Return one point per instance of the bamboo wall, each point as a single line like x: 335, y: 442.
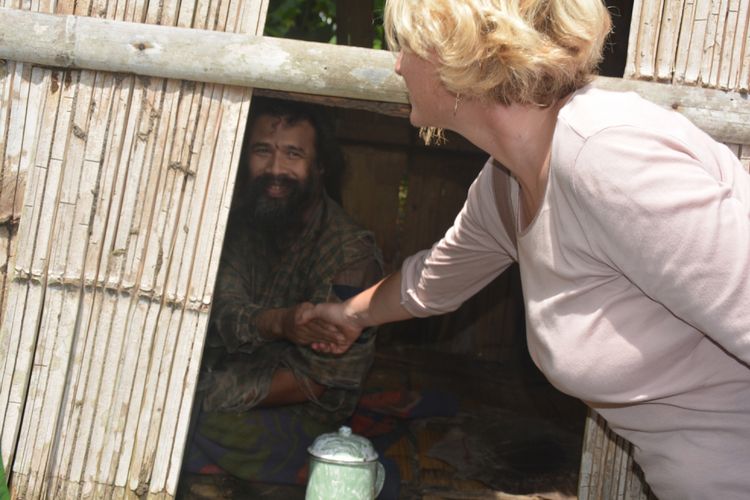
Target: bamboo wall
x: 703, y: 43
x: 114, y: 195
x: 696, y: 43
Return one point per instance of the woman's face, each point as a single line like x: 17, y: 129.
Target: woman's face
x: 431, y: 104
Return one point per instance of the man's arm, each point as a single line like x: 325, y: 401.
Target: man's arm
x: 239, y: 320
x: 286, y: 390
x: 379, y: 304
x: 286, y: 323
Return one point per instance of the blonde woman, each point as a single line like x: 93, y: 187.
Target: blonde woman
x: 629, y: 224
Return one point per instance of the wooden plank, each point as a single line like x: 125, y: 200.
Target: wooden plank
x: 647, y: 41
x: 148, y: 256
x: 126, y: 164
x: 167, y: 331
x: 74, y: 205
x: 669, y: 31
x: 69, y: 270
x: 165, y: 473
x: 36, y: 256
x: 295, y: 66
x: 88, y: 414
x: 683, y: 54
x: 17, y: 150
x: 712, y: 44
x: 133, y: 185
x: 227, y: 150
x: 122, y: 108
x: 234, y: 59
x: 379, y: 176
x: 189, y: 382
x: 189, y: 208
x: 144, y: 337
x: 731, y: 50
x: 607, y: 470
x: 697, y: 41
x: 60, y: 310
x: 744, y: 61
x: 95, y: 203
x: 111, y: 394
x: 19, y: 86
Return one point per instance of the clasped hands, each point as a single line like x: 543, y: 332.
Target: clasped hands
x: 323, y: 327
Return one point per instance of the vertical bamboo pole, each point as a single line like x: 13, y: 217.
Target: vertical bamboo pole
x: 129, y: 186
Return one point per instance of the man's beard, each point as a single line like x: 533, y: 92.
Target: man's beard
x: 280, y: 214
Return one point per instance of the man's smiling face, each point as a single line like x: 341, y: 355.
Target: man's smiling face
x: 282, y: 168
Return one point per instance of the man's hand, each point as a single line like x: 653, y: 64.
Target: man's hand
x: 333, y: 315
x: 290, y: 323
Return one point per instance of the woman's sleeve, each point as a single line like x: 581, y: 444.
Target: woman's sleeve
x: 673, y: 219
x: 472, y: 253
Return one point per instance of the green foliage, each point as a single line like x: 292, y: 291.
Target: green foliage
x: 378, y: 41
x: 313, y: 20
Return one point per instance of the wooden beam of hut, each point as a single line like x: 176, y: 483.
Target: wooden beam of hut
x: 347, y: 76
x: 200, y: 55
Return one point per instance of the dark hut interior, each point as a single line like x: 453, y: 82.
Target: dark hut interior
x: 453, y: 404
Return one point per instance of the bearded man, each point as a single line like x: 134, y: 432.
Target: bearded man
x: 264, y: 395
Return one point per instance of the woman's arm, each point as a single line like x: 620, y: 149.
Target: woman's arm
x: 470, y: 255
x: 379, y: 304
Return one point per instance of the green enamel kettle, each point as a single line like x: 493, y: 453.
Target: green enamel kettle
x: 343, y: 466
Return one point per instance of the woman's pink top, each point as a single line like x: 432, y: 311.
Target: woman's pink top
x: 636, y: 280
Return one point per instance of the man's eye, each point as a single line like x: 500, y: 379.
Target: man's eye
x: 260, y: 150
x: 294, y: 154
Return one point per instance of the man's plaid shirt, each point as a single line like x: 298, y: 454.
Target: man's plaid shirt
x: 331, y: 254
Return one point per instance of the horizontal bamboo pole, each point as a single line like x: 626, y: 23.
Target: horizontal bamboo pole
x: 200, y: 55
x: 297, y: 67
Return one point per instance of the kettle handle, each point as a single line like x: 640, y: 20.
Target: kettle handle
x: 379, y: 478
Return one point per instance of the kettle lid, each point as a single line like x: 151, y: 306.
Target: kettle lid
x: 343, y: 446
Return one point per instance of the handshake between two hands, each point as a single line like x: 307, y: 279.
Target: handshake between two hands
x: 323, y: 327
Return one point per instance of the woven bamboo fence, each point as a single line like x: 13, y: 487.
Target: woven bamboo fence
x: 691, y: 45
x: 114, y: 195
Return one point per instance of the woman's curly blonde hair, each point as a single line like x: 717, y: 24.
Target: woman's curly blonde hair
x: 508, y: 51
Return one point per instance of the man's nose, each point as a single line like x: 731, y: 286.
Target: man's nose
x: 276, y: 164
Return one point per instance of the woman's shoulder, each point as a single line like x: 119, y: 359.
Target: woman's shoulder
x: 591, y: 110
x: 598, y: 129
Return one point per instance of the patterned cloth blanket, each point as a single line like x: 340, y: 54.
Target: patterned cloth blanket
x: 382, y: 416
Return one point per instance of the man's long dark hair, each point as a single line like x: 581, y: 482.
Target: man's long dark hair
x: 328, y: 155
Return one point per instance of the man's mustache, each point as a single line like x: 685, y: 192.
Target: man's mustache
x: 266, y: 180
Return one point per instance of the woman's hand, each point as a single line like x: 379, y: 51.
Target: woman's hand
x: 290, y: 323
x: 333, y: 315
x: 299, y: 328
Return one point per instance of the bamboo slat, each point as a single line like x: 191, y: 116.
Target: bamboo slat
x: 669, y: 30
x: 607, y: 468
x: 121, y: 225
x: 691, y: 42
x: 644, y: 35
